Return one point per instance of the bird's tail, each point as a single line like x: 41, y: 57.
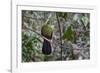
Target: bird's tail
x: 46, y: 49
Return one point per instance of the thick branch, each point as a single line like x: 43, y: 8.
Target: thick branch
x: 60, y: 32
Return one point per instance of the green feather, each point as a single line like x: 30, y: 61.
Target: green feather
x: 47, y: 31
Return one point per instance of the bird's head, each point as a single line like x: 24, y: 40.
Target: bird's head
x: 47, y: 31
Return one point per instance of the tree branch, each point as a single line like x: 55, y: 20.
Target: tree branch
x: 60, y: 32
x: 26, y: 27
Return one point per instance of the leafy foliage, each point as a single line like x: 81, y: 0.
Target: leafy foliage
x: 62, y: 14
x: 29, y: 47
x: 70, y: 36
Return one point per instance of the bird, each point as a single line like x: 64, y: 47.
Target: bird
x: 47, y: 32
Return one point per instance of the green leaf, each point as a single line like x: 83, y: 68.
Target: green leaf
x: 62, y: 14
x: 68, y: 34
x: 85, y: 20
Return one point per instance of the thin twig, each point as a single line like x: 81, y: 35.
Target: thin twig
x: 36, y: 33
x: 33, y: 18
x: 48, y: 19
